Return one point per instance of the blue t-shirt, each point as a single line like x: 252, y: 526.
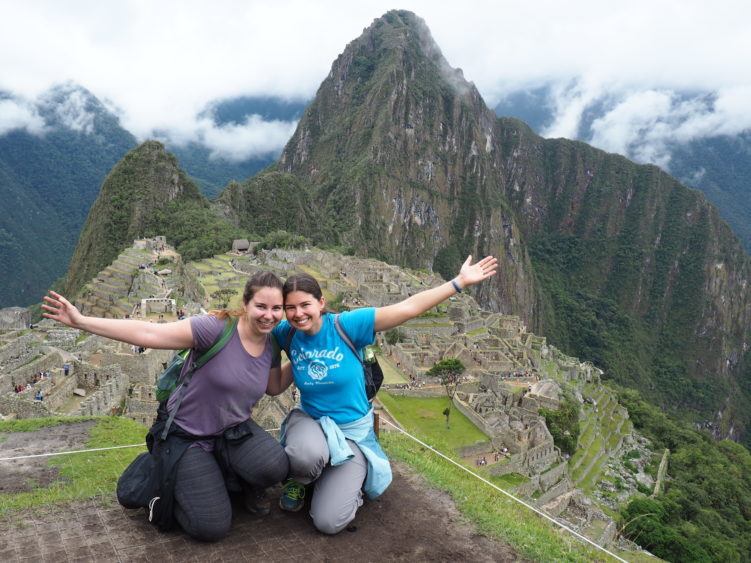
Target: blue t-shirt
x: 327, y: 373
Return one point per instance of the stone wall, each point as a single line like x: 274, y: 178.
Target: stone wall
x: 23, y: 408
x: 550, y: 478
x: 60, y: 392
x: 51, y: 362
x: 14, y: 318
x: 561, y: 488
x: 139, y: 368
x: 62, y: 337
x: 18, y: 352
x: 475, y: 418
x: 107, y: 397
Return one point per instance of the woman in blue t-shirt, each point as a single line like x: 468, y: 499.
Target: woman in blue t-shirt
x: 330, y: 440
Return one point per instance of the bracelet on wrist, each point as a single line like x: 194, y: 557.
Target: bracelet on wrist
x: 457, y: 287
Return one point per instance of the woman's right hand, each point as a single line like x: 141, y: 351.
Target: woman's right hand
x: 61, y: 310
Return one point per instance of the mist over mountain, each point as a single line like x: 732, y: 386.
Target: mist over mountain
x: 51, y: 167
x: 671, y: 129
x: 212, y: 171
x: 55, y: 152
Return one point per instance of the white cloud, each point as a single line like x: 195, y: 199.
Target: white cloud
x: 644, y: 124
x: 69, y: 105
x: 163, y: 62
x: 569, y: 100
x: 237, y: 142
x: 17, y: 114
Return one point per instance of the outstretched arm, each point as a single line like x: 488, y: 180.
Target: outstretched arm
x: 167, y: 336
x: 470, y: 274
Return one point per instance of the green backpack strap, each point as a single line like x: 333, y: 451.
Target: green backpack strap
x: 229, y: 328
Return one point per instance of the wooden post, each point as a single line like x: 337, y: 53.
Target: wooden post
x: 377, y: 424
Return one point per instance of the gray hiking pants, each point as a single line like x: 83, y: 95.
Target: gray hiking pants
x: 337, y: 493
x: 202, y: 503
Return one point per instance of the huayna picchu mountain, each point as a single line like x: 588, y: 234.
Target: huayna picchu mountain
x: 619, y: 263
x: 146, y: 194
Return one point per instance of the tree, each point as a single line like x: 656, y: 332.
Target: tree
x: 449, y: 371
x: 223, y: 296
x: 394, y: 336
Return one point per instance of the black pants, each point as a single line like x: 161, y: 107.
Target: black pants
x: 202, y: 504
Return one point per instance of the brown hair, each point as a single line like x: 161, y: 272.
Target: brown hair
x: 302, y: 282
x: 257, y: 281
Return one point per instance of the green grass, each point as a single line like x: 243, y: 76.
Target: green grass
x: 390, y: 373
x: 478, y: 331
x: 83, y: 475
x: 492, y: 512
x: 423, y: 417
x: 509, y: 480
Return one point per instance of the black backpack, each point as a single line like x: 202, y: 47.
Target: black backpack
x: 371, y: 369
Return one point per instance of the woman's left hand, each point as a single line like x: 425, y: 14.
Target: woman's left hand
x: 471, y: 274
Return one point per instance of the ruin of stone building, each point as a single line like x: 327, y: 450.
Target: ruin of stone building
x: 240, y: 245
x: 14, y: 318
x: 158, y: 306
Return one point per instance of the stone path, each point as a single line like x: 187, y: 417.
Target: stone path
x: 410, y: 522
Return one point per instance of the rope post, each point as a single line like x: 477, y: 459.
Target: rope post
x: 377, y: 424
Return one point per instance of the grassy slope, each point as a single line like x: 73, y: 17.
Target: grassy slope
x: 493, y: 513
x: 83, y: 475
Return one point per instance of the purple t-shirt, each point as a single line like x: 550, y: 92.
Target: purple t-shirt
x: 222, y: 392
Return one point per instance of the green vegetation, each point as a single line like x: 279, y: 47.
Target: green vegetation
x: 50, y: 182
x: 422, y: 418
x: 83, y: 475
x: 391, y: 374
x: 563, y: 424
x: 449, y: 372
x: 394, y: 336
x: 145, y: 195
x: 494, y: 513
x: 282, y: 239
x: 705, y: 511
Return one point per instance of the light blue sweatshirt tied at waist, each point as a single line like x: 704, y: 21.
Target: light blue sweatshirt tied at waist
x: 361, y: 432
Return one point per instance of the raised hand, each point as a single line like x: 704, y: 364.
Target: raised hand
x: 59, y: 309
x: 471, y: 274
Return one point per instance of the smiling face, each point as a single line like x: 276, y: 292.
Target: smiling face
x: 264, y: 310
x: 304, y: 311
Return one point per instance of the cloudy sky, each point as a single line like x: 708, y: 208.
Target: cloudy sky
x: 159, y: 63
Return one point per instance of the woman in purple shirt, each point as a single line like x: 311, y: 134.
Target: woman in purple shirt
x: 219, y: 398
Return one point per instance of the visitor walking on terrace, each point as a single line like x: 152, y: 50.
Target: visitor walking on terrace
x: 329, y: 439
x: 212, y: 435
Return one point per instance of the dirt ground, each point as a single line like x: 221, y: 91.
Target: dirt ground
x: 27, y: 474
x: 410, y: 522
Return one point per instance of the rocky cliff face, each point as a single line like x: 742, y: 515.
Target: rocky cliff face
x: 402, y: 155
x: 657, y: 251
x: 615, y: 262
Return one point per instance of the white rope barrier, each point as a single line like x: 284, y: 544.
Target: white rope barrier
x: 50, y: 454
x: 496, y: 487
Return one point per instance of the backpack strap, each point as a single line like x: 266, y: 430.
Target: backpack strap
x: 219, y: 343
x: 346, y: 339
x: 288, y: 342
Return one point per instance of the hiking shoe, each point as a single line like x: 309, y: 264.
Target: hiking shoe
x: 293, y: 496
x: 256, y: 502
